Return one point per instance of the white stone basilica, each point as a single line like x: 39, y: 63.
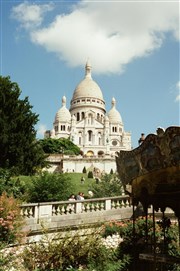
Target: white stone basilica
x: 87, y: 124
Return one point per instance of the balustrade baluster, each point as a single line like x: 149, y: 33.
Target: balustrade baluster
x: 117, y: 204
x: 122, y: 203
x: 127, y: 202
x: 112, y: 204
x: 93, y: 206
x: 59, y: 210
x: 102, y: 205
x: 88, y: 207
x: 54, y: 210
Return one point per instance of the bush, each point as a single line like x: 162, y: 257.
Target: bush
x: 132, y: 245
x: 11, y: 221
x: 109, y: 186
x: 90, y: 175
x: 72, y: 252
x: 84, y: 170
x: 50, y: 187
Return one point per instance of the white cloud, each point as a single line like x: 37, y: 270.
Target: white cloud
x: 111, y: 34
x: 178, y: 85
x: 30, y: 15
x: 178, y: 88
x: 41, y: 130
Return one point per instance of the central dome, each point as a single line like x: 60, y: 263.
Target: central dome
x: 88, y: 87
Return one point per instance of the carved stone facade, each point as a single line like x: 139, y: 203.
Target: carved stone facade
x: 86, y: 122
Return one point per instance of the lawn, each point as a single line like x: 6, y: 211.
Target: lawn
x: 75, y: 179
x: 79, y: 187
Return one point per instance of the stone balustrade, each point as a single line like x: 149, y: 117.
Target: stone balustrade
x: 56, y: 215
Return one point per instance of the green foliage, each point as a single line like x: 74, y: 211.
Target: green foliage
x: 7, y: 260
x: 19, y: 150
x: 61, y: 145
x: 50, y: 187
x: 111, y: 171
x: 135, y: 243
x: 109, y: 186
x: 84, y: 170
x: 12, y: 186
x: 90, y: 175
x: 10, y: 220
x: 73, y: 252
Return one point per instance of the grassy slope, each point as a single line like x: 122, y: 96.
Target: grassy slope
x: 75, y: 179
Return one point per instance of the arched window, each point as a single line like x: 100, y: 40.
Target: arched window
x: 99, y: 138
x: 82, y: 115
x: 80, y: 138
x: 78, y: 118
x: 89, y: 135
x: 90, y: 119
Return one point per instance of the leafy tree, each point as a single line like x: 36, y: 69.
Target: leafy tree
x: 19, y: 149
x: 50, y: 187
x: 109, y: 186
x: 61, y: 145
x: 84, y: 170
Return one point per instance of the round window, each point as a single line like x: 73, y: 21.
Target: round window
x: 114, y: 143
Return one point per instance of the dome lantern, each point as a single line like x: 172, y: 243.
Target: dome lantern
x: 88, y: 69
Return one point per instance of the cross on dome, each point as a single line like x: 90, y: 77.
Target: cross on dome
x: 88, y: 69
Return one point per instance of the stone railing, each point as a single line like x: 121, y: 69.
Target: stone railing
x: 39, y: 211
x: 61, y: 214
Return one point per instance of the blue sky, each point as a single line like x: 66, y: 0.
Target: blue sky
x: 133, y: 47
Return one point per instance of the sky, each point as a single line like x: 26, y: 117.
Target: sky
x: 133, y: 47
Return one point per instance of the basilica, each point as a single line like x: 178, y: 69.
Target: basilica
x: 87, y: 124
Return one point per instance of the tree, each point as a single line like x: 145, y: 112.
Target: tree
x: 50, y: 187
x: 109, y: 186
x: 51, y: 145
x: 19, y: 149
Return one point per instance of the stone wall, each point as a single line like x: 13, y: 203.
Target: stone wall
x: 77, y: 163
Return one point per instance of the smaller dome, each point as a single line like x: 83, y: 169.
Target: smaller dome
x: 63, y: 114
x: 114, y: 115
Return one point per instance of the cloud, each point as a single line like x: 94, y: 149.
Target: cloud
x: 111, y: 34
x: 30, y: 15
x: 41, y: 130
x: 178, y: 88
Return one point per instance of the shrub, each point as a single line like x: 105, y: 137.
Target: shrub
x: 90, y: 175
x: 84, y: 170
x: 11, y: 221
x: 133, y: 244
x: 109, y: 186
x: 50, y: 187
x: 72, y: 252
